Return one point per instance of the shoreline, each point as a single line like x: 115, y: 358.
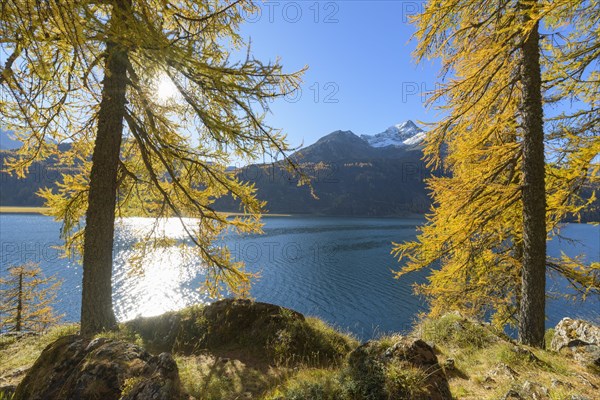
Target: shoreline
x: 42, y: 210
x: 23, y: 210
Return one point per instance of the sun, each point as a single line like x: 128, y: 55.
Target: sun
x: 165, y: 89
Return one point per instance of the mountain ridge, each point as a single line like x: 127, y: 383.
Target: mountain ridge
x: 342, y: 145
x: 404, y: 134
x: 351, y: 175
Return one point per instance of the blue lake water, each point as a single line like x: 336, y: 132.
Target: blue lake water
x: 339, y: 269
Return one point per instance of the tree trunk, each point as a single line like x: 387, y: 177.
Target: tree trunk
x: 96, y: 305
x: 19, y: 319
x: 533, y: 289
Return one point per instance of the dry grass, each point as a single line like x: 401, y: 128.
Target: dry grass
x: 475, y: 348
x: 473, y: 377
x: 18, y: 355
x: 213, y: 378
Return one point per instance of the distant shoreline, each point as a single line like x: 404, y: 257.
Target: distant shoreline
x: 42, y: 210
x: 22, y: 210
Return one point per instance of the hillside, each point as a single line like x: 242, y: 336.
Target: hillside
x: 379, y: 175
x: 7, y: 142
x: 351, y: 175
x: 237, y: 349
x: 22, y: 192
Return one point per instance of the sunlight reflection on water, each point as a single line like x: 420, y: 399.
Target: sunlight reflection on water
x: 339, y: 269
x: 169, y: 277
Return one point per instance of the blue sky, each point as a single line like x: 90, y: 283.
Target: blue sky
x: 361, y: 74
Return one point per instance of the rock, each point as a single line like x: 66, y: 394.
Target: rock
x: 558, y: 383
x: 159, y: 333
x: 512, y: 395
x: 488, y: 383
x: 162, y: 382
x: 579, y: 338
x: 229, y: 320
x: 526, y: 354
x: 578, y: 397
x: 503, y: 371
x: 247, y: 330
x: 371, y: 362
x: 77, y: 368
x: 586, y: 381
x: 535, y: 391
x: 449, y: 364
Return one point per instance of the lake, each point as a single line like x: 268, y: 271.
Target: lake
x: 339, y: 269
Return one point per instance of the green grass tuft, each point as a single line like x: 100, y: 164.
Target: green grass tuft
x: 454, y: 330
x: 403, y: 381
x: 22, y: 353
x: 310, y: 384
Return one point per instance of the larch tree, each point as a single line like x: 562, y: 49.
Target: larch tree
x: 80, y: 82
x: 532, y: 312
x: 26, y: 299
x: 489, y: 224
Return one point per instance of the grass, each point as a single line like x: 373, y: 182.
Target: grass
x: 404, y: 380
x: 18, y: 355
x: 310, y: 384
x: 287, y: 370
x: 548, y: 336
x: 454, y: 330
x: 213, y: 378
x: 325, y: 366
x: 124, y: 333
x: 478, y: 350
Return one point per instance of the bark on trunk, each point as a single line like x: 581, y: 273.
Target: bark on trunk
x: 96, y: 306
x: 533, y: 289
x: 19, y: 319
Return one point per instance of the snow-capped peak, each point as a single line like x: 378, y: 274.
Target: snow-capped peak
x: 404, y: 134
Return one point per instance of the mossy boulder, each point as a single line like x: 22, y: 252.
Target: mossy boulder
x: 74, y: 367
x: 401, y: 368
x: 247, y: 330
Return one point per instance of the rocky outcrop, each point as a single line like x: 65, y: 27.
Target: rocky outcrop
x: 242, y: 329
x: 502, y: 371
x: 408, y: 369
x: 579, y: 338
x: 77, y: 368
x: 535, y: 391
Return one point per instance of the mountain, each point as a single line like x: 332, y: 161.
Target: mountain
x: 401, y: 135
x: 6, y: 142
x: 366, y: 175
x: 350, y: 175
x: 337, y: 146
x: 377, y: 175
x: 394, y: 142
